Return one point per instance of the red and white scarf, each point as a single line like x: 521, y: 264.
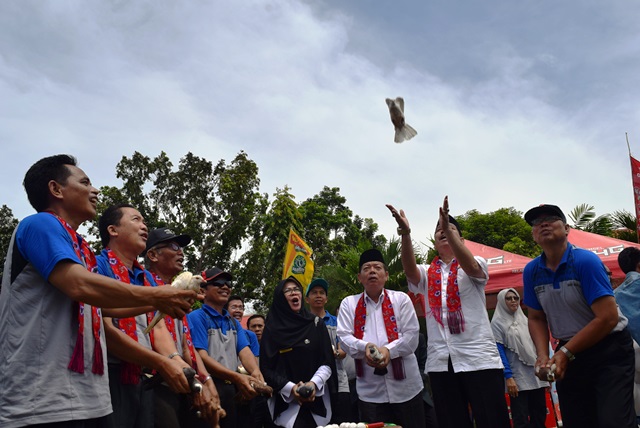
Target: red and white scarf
x: 171, y: 326
x: 455, y: 317
x: 130, y: 374
x: 390, y: 325
x: 84, y: 253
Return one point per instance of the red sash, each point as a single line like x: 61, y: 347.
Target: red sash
x: 455, y: 317
x: 130, y: 374
x: 171, y: 326
x: 391, y: 326
x: 84, y: 253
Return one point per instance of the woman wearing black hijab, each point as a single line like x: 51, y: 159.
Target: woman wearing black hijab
x: 295, y: 351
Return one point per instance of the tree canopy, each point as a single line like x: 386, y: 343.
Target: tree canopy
x: 504, y: 229
x: 235, y: 227
x: 7, y: 224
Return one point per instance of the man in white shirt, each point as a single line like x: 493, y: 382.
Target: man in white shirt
x: 382, y: 321
x: 463, y: 362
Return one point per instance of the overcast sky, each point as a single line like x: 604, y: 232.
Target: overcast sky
x: 515, y: 103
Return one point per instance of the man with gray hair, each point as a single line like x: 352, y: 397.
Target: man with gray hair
x: 379, y: 330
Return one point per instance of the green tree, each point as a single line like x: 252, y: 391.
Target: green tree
x: 259, y: 269
x: 504, y: 228
x: 330, y: 227
x: 7, y: 224
x: 213, y: 204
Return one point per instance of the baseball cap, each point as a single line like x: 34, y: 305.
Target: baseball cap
x: 163, y: 234
x: 318, y: 282
x: 535, y: 212
x: 215, y: 274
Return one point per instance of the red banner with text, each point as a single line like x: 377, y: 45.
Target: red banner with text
x: 635, y: 176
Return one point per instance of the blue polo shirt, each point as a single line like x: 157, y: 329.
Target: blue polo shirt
x: 567, y: 294
x: 254, y: 345
x: 206, y: 318
x: 44, y: 242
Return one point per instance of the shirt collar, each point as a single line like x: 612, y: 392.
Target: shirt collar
x: 211, y: 311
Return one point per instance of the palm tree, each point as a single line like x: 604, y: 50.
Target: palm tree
x: 624, y: 224
x: 584, y: 218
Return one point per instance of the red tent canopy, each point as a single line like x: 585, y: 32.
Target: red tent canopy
x: 603, y: 246
x: 505, y: 268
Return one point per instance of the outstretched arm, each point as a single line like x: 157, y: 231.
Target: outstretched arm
x: 98, y: 290
x: 462, y: 254
x: 408, y: 257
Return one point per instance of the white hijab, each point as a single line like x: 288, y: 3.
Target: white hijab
x: 512, y: 329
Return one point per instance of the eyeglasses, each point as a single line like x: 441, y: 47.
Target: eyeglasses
x: 549, y: 219
x: 289, y: 291
x: 512, y: 298
x: 172, y: 245
x: 236, y: 307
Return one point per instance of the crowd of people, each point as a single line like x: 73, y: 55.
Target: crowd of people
x: 79, y: 350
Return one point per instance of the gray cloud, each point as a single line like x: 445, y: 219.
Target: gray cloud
x: 515, y: 104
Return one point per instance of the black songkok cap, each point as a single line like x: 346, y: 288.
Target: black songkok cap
x: 453, y: 222
x: 371, y: 255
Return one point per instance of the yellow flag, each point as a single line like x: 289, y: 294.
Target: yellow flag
x: 297, y: 260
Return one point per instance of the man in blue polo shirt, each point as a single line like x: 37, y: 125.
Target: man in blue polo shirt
x: 53, y: 353
x: 124, y: 233
x: 215, y: 336
x: 568, y: 292
x: 235, y: 306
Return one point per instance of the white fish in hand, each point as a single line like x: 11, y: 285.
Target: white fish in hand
x: 184, y: 281
x: 403, y: 130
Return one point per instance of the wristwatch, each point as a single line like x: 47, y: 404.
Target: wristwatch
x: 402, y: 231
x: 568, y: 353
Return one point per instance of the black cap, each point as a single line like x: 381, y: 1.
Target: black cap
x: 535, y: 212
x: 215, y: 274
x: 371, y: 255
x: 454, y: 222
x: 163, y: 234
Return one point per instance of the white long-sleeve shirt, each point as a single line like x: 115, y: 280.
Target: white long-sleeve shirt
x: 374, y: 388
x: 473, y: 349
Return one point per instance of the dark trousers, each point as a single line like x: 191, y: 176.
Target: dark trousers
x: 482, y: 389
x: 597, y: 389
x: 529, y: 408
x: 261, y: 418
x: 227, y: 392
x: 132, y: 404
x: 174, y: 410
x: 409, y: 414
x: 341, y: 408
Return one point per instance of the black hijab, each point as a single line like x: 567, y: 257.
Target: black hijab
x: 285, y: 328
x: 293, y: 346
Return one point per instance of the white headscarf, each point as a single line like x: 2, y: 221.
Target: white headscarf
x: 512, y: 329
